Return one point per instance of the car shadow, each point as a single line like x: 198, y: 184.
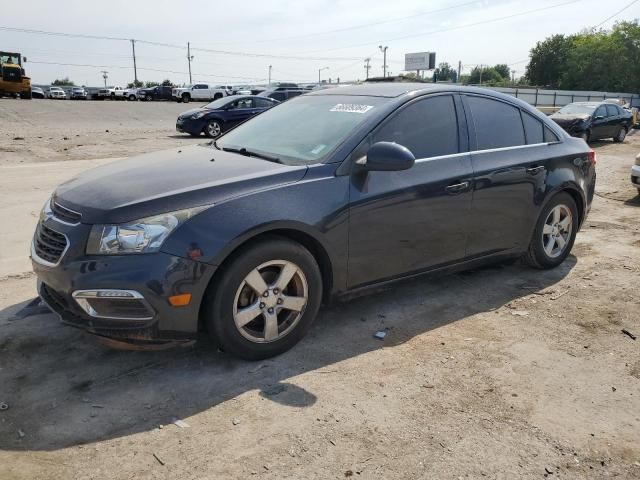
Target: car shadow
x: 633, y: 202
x: 63, y: 388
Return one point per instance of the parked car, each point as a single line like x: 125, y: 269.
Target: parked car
x: 221, y: 115
x: 78, y: 93
x: 102, y: 94
x: 117, y: 93
x: 56, y: 93
x: 330, y: 193
x: 282, y: 93
x: 199, y: 91
x: 635, y: 174
x: 131, y: 94
x: 159, y: 92
x: 37, y: 92
x: 594, y: 120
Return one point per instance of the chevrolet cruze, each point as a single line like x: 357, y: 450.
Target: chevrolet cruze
x: 334, y: 191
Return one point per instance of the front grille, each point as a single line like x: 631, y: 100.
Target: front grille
x: 64, y: 214
x: 48, y: 244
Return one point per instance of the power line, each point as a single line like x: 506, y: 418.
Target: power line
x: 456, y: 27
x: 616, y: 14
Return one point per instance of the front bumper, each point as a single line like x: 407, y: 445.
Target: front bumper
x: 155, y: 276
x: 635, y: 176
x: 191, y: 126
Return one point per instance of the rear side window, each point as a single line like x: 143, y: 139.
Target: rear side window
x: 429, y: 127
x: 533, y: 129
x: 497, y: 124
x: 549, y: 136
x: 262, y: 103
x: 612, y: 111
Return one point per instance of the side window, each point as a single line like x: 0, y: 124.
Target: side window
x: 293, y: 93
x: 262, y: 103
x: 600, y: 112
x: 549, y: 136
x: 497, y: 124
x: 533, y: 129
x: 245, y: 103
x: 428, y: 127
x: 612, y: 111
x: 277, y: 95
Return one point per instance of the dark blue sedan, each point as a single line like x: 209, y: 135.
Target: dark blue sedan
x: 222, y: 114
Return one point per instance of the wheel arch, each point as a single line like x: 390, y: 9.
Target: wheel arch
x: 298, y: 235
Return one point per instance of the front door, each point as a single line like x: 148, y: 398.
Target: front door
x: 600, y: 126
x: 409, y: 221
x: 239, y: 111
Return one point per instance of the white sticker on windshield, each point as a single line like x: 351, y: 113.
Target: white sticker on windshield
x: 318, y: 149
x: 351, y: 108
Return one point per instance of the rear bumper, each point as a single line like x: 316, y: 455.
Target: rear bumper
x: 156, y: 277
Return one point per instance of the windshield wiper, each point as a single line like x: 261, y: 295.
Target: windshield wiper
x: 250, y: 153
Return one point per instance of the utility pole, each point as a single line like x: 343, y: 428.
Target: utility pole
x: 105, y: 75
x: 384, y: 65
x: 135, y: 69
x: 270, y: 67
x: 189, y: 58
x: 367, y: 67
x: 319, y: 70
x: 513, y: 76
x: 459, y: 70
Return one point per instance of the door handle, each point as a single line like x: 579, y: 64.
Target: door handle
x: 535, y: 170
x: 457, y: 187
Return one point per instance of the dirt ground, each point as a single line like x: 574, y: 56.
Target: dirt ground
x: 503, y: 372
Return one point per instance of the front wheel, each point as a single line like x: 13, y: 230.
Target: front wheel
x: 186, y: 98
x: 213, y: 129
x: 132, y: 98
x: 555, y: 233
x: 265, y: 300
x: 621, y: 135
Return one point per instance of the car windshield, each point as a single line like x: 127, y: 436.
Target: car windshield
x: 303, y: 130
x: 221, y: 102
x: 577, y: 109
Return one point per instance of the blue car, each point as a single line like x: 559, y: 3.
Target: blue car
x: 223, y: 114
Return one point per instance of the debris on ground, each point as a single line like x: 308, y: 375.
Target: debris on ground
x: 97, y: 405
x: 235, y: 421
x: 160, y: 461
x: 20, y: 433
x: 380, y: 334
x: 180, y: 423
x: 259, y: 367
x: 4, y: 406
x: 520, y: 313
x: 629, y: 334
x: 558, y: 295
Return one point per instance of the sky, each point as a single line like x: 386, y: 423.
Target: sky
x: 235, y: 43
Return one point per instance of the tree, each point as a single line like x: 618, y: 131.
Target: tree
x: 167, y: 83
x: 135, y: 84
x: 486, y: 76
x: 548, y: 60
x: 504, y: 70
x: 63, y: 82
x: 444, y: 72
x: 151, y: 84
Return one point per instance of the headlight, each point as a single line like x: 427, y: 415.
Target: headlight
x: 140, y: 236
x: 197, y: 115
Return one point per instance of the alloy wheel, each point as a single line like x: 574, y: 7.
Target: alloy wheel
x: 214, y: 129
x: 270, y: 301
x: 557, y: 230
x: 622, y: 135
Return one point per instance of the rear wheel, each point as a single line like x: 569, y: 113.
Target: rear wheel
x: 265, y: 300
x: 621, y: 135
x: 554, y: 234
x: 149, y: 98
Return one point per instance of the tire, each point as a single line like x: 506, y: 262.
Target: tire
x: 213, y: 128
x: 217, y: 96
x: 539, y: 255
x: 148, y: 98
x: 621, y: 135
x: 131, y: 98
x: 230, y: 294
x: 26, y: 95
x: 186, y: 98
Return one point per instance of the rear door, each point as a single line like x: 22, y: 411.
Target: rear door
x: 509, y: 165
x: 413, y: 220
x: 613, y: 120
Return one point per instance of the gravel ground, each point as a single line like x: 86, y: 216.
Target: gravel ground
x: 501, y: 372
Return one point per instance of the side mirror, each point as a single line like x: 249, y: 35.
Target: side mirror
x: 387, y: 157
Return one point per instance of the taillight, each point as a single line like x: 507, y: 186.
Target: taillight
x: 592, y: 157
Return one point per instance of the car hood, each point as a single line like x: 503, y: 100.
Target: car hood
x: 169, y: 180
x: 188, y: 113
x: 566, y: 120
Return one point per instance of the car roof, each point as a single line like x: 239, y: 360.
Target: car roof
x: 398, y: 89
x: 588, y: 104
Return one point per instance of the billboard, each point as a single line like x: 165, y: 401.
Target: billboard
x: 419, y: 61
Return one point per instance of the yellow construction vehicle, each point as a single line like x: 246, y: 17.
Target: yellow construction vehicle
x: 13, y: 80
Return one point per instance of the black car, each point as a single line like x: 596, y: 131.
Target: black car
x: 594, y: 120
x: 332, y: 192
x: 159, y: 92
x: 221, y: 115
x: 282, y: 93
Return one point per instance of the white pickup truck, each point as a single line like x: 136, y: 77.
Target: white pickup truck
x: 198, y: 91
